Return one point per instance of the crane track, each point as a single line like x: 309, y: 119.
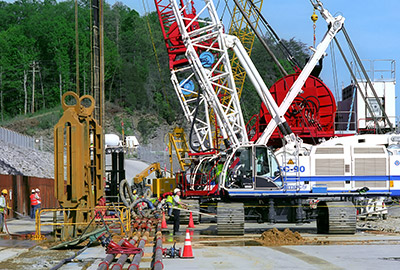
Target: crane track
x: 230, y: 218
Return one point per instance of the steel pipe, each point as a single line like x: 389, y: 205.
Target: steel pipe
x: 122, y: 259
x: 158, y: 253
x: 138, y: 257
x: 108, y: 259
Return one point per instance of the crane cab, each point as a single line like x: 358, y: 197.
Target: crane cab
x: 251, y: 167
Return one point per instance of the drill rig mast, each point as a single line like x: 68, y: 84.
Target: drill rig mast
x: 79, y: 143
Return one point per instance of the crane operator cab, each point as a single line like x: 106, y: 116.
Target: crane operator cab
x: 252, y: 167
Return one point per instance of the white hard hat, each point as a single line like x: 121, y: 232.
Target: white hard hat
x: 33, y: 191
x: 176, y: 190
x: 37, y: 190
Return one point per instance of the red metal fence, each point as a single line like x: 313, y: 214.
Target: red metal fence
x: 19, y: 189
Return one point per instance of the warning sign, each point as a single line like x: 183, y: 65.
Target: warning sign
x: 290, y: 162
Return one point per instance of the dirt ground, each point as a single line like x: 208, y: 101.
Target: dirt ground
x: 274, y: 237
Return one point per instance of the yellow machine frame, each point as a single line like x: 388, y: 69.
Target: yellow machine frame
x: 240, y: 28
x: 79, y: 161
x: 177, y: 141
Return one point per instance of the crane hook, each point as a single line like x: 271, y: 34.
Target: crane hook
x: 314, y: 18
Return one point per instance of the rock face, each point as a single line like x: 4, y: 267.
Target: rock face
x: 17, y: 160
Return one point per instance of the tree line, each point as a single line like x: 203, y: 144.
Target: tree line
x: 38, y: 58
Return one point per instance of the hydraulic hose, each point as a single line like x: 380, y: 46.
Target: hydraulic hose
x: 122, y: 259
x: 122, y: 187
x: 70, y: 259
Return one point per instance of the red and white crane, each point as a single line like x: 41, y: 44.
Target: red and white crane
x: 198, y: 50
x: 249, y: 171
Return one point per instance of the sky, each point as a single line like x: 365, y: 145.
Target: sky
x: 373, y: 26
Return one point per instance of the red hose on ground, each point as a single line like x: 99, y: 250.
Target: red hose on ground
x: 5, y: 223
x: 13, y: 234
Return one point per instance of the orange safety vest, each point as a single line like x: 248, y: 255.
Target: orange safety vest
x: 34, y: 201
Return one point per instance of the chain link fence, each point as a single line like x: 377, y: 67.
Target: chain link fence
x: 151, y: 154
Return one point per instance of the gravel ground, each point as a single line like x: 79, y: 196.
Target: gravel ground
x: 390, y: 225
x: 15, y: 160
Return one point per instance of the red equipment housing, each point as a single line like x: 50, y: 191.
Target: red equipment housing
x: 172, y: 36
x: 311, y: 116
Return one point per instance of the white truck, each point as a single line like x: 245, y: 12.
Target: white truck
x: 113, y: 144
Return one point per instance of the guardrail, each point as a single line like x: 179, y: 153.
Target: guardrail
x: 121, y: 217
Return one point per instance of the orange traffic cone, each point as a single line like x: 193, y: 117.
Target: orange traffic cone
x: 191, y: 223
x: 187, y: 252
x: 163, y: 222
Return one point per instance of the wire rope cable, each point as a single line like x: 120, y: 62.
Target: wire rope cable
x: 155, y: 50
x: 334, y: 72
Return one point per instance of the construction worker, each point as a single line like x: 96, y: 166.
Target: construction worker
x: 135, y: 196
x: 3, y: 208
x: 176, y: 212
x: 155, y: 202
x: 219, y: 168
x: 169, y: 202
x: 38, y: 198
x: 34, y: 203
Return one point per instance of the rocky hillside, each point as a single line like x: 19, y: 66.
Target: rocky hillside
x: 150, y: 131
x: 16, y: 160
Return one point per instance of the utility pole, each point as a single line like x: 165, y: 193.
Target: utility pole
x: 41, y: 85
x: 25, y: 93
x: 33, y: 85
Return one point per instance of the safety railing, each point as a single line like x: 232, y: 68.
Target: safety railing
x: 203, y: 183
x: 344, y: 121
x: 367, y: 125
x: 378, y: 70
x: 106, y: 215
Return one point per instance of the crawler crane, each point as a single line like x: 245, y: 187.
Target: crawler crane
x: 298, y: 182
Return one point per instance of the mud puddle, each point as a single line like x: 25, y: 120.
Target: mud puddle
x: 16, y: 243
x: 36, y: 258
